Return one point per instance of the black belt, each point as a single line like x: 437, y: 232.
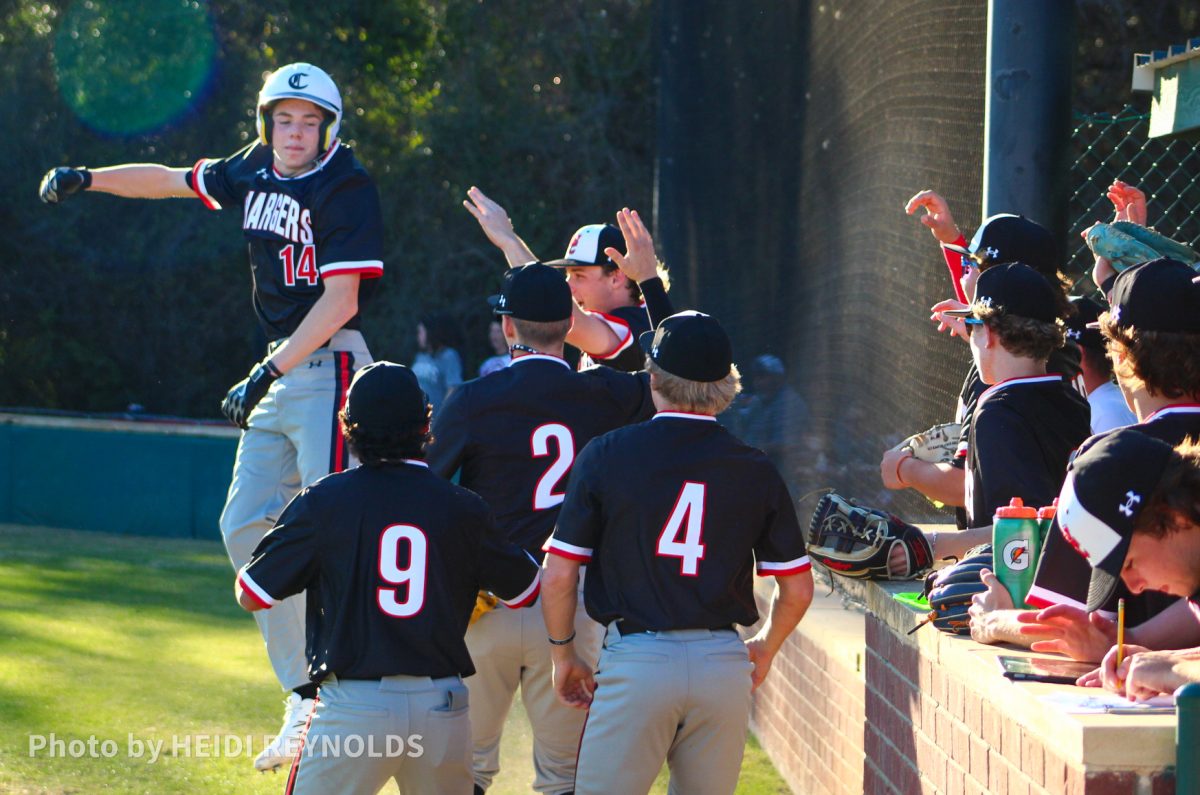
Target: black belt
x: 627, y: 627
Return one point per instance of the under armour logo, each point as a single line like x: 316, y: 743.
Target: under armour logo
x: 1131, y: 499
x: 297, y: 80
x: 992, y: 252
x: 1072, y: 334
x: 1115, y: 314
x: 986, y: 301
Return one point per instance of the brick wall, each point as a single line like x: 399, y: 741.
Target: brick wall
x: 854, y: 704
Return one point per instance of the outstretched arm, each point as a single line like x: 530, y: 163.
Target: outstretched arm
x: 499, y: 229
x: 132, y: 180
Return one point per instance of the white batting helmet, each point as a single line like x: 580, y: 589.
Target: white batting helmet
x: 300, y: 81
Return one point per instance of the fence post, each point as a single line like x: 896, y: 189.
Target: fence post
x: 1027, y: 109
x: 1187, y: 740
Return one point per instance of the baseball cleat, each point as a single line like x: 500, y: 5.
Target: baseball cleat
x: 282, y: 750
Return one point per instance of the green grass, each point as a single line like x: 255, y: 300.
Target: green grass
x: 114, y: 637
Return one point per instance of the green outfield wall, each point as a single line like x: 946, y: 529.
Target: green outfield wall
x: 116, y: 476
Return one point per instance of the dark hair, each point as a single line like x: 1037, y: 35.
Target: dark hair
x: 441, y: 331
x: 1175, y: 503
x: 373, y: 447
x: 1097, y: 361
x: 1167, y: 363
x: 635, y: 292
x: 1023, y: 336
x: 542, y: 334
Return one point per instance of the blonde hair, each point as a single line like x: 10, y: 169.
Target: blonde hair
x: 697, y: 397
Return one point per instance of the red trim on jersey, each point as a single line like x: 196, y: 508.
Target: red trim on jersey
x: 788, y: 567
x: 529, y: 597
x: 365, y: 270
x: 343, y: 369
x: 291, y: 782
x: 1026, y: 379
x: 1174, y: 408
x: 623, y: 342
x: 251, y: 589
x: 551, y: 549
x: 686, y: 415
x: 197, y: 182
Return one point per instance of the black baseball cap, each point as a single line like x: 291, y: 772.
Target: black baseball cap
x: 691, y: 345
x: 587, y: 246
x: 1014, y: 238
x: 1107, y: 487
x: 1082, y: 325
x: 385, y: 396
x: 533, y: 292
x: 1017, y: 289
x: 1159, y: 295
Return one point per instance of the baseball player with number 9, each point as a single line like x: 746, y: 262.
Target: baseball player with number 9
x: 672, y: 517
x: 311, y: 216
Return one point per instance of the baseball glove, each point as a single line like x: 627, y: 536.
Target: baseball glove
x: 484, y: 602
x: 935, y: 445
x: 950, y: 591
x: 854, y: 541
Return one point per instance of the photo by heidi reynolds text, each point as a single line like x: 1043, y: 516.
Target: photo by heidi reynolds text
x: 202, y: 746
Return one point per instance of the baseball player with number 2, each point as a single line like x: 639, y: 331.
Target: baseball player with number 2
x: 311, y: 216
x: 672, y: 517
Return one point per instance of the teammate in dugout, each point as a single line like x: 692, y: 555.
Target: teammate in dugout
x: 1153, y: 335
x: 672, y: 516
x: 311, y: 216
x: 513, y: 436
x: 999, y: 240
x: 390, y: 558
x: 611, y: 314
x: 1131, y: 505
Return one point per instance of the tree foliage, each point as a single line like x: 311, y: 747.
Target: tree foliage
x: 546, y: 105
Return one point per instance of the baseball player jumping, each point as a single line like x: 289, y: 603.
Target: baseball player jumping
x: 672, y: 516
x: 513, y: 436
x: 311, y: 216
x: 390, y: 557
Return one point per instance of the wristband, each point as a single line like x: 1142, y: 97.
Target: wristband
x: 562, y: 642
x: 658, y: 303
x: 87, y: 177
x: 272, y: 368
x: 899, y: 462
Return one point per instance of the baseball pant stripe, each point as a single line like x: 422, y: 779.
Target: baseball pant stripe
x: 343, y: 368
x: 291, y: 782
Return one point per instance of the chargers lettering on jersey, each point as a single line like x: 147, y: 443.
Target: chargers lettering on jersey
x: 277, y: 213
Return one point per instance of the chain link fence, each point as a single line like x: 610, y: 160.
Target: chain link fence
x: 1108, y: 147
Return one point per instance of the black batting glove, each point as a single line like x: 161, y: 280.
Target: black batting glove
x: 246, y: 394
x: 59, y: 183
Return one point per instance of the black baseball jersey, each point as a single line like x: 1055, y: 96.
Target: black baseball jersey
x: 1063, y: 574
x: 673, y: 516
x: 391, y: 558
x: 1023, y: 432
x: 300, y: 230
x: 628, y: 323
x: 515, y: 435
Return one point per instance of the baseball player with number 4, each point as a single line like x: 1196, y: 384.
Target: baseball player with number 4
x: 672, y: 516
x: 311, y: 216
x: 390, y: 557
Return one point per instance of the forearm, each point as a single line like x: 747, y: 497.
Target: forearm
x: 516, y: 253
x: 560, y: 582
x: 658, y: 303
x: 1174, y: 628
x: 791, y: 600
x: 142, y: 181
x: 941, y: 482
x: 332, y: 310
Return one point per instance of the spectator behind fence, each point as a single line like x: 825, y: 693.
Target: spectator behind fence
x: 1095, y: 381
x: 775, y: 418
x: 437, y: 365
x: 500, y: 347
